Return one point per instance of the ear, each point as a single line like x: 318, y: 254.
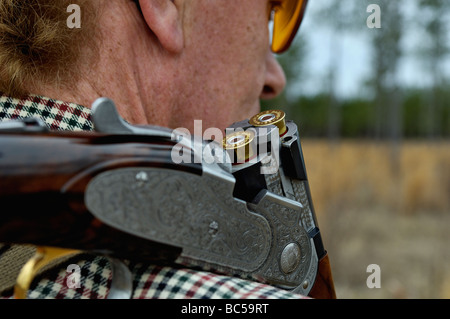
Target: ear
x: 163, y: 18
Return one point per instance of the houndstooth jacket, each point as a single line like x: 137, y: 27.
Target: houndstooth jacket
x: 149, y: 281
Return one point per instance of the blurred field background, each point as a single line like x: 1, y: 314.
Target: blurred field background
x: 374, y: 210
x: 373, y: 110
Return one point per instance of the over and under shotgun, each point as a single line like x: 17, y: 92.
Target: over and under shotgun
x: 241, y: 206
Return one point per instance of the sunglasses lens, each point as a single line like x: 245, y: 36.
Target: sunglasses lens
x: 287, y: 19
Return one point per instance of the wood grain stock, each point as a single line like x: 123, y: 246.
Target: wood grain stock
x: 43, y: 178
x: 324, y: 286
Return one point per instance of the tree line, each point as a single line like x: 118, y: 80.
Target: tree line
x: 389, y: 108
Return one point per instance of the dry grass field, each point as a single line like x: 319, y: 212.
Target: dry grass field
x: 385, y: 205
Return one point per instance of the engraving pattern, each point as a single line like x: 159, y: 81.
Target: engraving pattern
x: 302, y: 198
x: 286, y: 229
x: 178, y: 209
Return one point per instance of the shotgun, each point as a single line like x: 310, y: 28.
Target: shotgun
x: 240, y: 204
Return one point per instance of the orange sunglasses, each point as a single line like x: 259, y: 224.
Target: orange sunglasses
x: 287, y: 17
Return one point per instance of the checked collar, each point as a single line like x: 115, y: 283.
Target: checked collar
x: 57, y: 115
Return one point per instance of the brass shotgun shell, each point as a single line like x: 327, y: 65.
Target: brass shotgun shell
x: 271, y: 117
x: 240, y: 146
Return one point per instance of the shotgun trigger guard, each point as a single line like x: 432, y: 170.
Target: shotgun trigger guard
x: 42, y: 257
x: 121, y: 285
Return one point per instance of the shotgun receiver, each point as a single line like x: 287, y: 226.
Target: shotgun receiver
x: 241, y: 206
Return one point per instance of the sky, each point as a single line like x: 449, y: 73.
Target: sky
x: 353, y: 54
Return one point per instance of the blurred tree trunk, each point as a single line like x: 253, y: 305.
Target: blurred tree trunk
x: 388, y: 101
x: 387, y: 54
x: 334, y: 116
x: 339, y: 16
x: 434, y: 52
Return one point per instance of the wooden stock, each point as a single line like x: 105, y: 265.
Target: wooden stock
x: 324, y: 286
x: 43, y: 177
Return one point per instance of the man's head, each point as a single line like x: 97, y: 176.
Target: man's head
x: 172, y: 62
x: 37, y: 47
